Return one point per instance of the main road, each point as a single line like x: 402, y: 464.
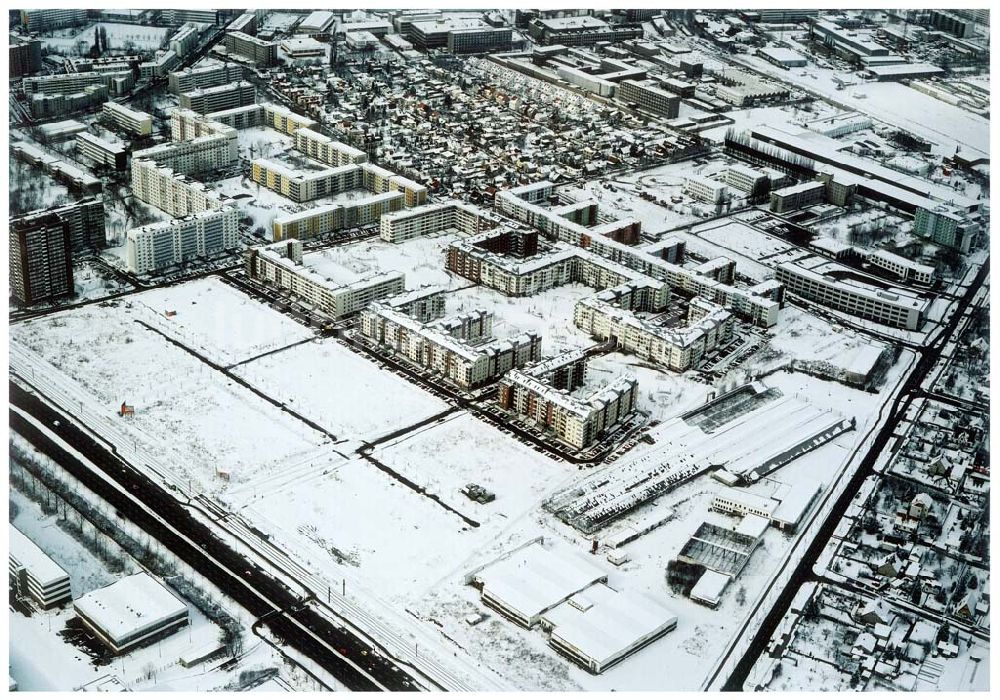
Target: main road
x: 149, y: 506
x: 911, y: 389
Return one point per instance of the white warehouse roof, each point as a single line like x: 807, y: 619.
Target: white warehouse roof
x: 130, y: 605
x: 535, y: 579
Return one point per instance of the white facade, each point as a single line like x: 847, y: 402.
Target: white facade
x: 156, y: 246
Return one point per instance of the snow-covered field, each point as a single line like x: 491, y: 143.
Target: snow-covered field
x: 121, y: 37
x: 421, y: 259
x: 893, y: 103
x: 344, y: 392
x: 187, y: 415
x: 219, y: 321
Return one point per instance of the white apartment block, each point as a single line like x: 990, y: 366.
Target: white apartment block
x: 304, y: 185
x: 170, y: 191
x: 604, y: 317
x: 220, y: 97
x: 705, y: 189
x: 326, y: 150
x: 760, y: 305
x: 281, y: 264
x: 163, y: 244
x: 430, y: 219
x: 838, y: 287
x: 320, y: 221
x: 99, y: 152
x: 204, y: 77
x: 130, y: 120
x: 433, y: 346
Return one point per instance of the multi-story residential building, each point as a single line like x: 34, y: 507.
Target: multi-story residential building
x: 442, y: 346
x: 246, y: 23
x: 304, y: 185
x: 59, y: 104
x: 610, y: 315
x: 434, y: 218
x: 215, y: 99
x: 705, y: 189
x: 803, y: 194
x: 118, y: 82
x: 185, y: 39
x: 163, y: 62
x: 320, y: 221
x: 380, y: 180
x: 201, y: 77
x: 131, y: 120
x: 41, y: 259
x: 284, y: 120
x: 543, y: 394
x: 200, y: 145
x: 947, y: 225
x: 646, y: 95
x: 280, y: 264
x: 159, y: 245
x: 168, y: 190
x: 841, y: 288
x: 85, y: 219
x: 74, y: 177
x: 263, y: 53
x: 101, y: 153
x: 25, y: 56
x: 326, y: 150
x: 34, y: 572
x: 43, y: 20
x: 183, y: 16
x: 760, y: 305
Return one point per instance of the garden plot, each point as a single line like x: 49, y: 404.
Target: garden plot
x: 550, y: 314
x: 420, y: 259
x: 218, y: 321
x: 347, y: 394
x: 439, y: 459
x: 187, y: 416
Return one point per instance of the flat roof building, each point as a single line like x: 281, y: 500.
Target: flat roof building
x: 131, y: 120
x: 34, y: 572
x: 841, y: 288
x: 131, y: 612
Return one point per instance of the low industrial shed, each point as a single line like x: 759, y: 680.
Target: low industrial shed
x: 601, y: 626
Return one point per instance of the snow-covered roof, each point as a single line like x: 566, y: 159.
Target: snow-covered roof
x: 710, y: 587
x: 534, y: 579
x: 130, y: 605
x: 613, y: 624
x: 38, y: 564
x: 753, y: 526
